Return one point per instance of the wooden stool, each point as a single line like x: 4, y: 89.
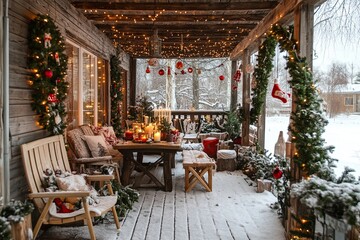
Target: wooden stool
x: 197, y: 164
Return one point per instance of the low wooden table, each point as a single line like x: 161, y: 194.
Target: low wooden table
x: 167, y: 151
x: 197, y: 164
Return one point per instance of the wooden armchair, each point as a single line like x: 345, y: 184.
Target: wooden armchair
x: 50, y: 153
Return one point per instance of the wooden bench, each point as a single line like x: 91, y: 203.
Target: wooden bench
x: 197, y: 164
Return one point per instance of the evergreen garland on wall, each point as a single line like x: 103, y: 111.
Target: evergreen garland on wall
x: 262, y: 72
x: 48, y: 64
x: 116, y: 95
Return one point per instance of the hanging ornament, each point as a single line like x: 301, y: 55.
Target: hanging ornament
x: 47, y: 40
x: 48, y: 73
x: 153, y: 62
x: 183, y: 72
x: 234, y: 87
x: 147, y: 69
x: 249, y: 68
x: 58, y: 80
x: 52, y: 98
x: 161, y: 72
x: 237, y: 76
x: 57, y: 58
x: 190, y: 70
x: 179, y: 65
x: 221, y: 77
x: 168, y: 71
x: 277, y: 173
x: 278, y: 93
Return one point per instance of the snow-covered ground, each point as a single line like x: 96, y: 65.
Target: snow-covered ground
x: 342, y: 132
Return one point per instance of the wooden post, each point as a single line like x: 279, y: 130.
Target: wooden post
x: 246, y: 99
x: 234, y: 92
x: 132, y: 94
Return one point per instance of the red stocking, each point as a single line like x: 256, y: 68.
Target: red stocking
x: 278, y: 93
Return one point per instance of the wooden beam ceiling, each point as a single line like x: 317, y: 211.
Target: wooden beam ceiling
x: 200, y: 28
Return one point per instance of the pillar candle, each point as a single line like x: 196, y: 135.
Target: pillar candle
x: 157, y: 136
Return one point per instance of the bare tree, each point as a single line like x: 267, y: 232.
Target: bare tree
x: 333, y: 82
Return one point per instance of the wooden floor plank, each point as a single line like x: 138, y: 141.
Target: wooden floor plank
x: 167, y: 230
x: 142, y: 223
x: 156, y: 216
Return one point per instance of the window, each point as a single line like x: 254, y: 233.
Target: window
x: 201, y: 84
x: 88, y: 86
x: 349, y: 101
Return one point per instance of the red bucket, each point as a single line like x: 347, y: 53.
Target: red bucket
x: 210, y: 146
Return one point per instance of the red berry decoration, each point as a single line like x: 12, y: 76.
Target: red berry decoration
x: 147, y: 70
x: 277, y: 173
x: 221, y: 77
x: 58, y: 80
x: 182, y: 72
x: 190, y: 70
x: 48, y: 73
x: 161, y: 72
x: 179, y: 65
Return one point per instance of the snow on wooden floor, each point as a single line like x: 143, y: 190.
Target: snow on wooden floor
x: 233, y: 210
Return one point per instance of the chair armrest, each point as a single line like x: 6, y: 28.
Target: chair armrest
x: 91, y: 160
x: 99, y: 177
x: 59, y: 194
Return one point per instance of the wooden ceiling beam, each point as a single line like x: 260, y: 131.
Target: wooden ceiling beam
x: 106, y: 19
x: 162, y: 27
x: 284, y: 9
x: 186, y: 6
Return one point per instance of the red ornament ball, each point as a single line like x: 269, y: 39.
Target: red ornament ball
x: 277, y: 173
x: 234, y: 87
x: 182, y: 72
x: 161, y: 72
x: 48, y: 73
x: 179, y: 65
x: 221, y: 77
x: 58, y: 80
x: 147, y: 70
x: 190, y: 70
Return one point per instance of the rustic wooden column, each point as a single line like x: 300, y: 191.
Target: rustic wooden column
x: 234, y: 92
x: 196, y: 96
x: 132, y: 87
x: 246, y: 99
x: 303, y: 32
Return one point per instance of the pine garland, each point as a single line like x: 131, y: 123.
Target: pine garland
x: 48, y: 64
x: 262, y: 72
x: 116, y: 95
x: 308, y: 120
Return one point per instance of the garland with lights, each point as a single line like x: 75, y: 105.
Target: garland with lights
x: 116, y: 94
x: 48, y: 64
x: 261, y: 74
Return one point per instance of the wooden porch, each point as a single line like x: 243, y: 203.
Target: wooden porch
x: 230, y: 211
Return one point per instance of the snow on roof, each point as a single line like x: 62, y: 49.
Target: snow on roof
x: 351, y: 88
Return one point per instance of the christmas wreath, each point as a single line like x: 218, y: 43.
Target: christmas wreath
x: 48, y: 64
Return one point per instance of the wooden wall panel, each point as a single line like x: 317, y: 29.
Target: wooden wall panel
x: 73, y: 26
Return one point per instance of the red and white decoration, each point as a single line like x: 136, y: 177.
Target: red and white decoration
x: 278, y: 93
x: 47, y: 40
x: 277, y: 173
x: 237, y: 76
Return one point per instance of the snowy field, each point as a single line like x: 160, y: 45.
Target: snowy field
x: 342, y: 132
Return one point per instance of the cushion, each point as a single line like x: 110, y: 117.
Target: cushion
x: 78, y: 143
x: 97, y: 146
x: 87, y: 130
x: 108, y: 133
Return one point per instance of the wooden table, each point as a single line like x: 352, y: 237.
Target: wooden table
x: 167, y: 151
